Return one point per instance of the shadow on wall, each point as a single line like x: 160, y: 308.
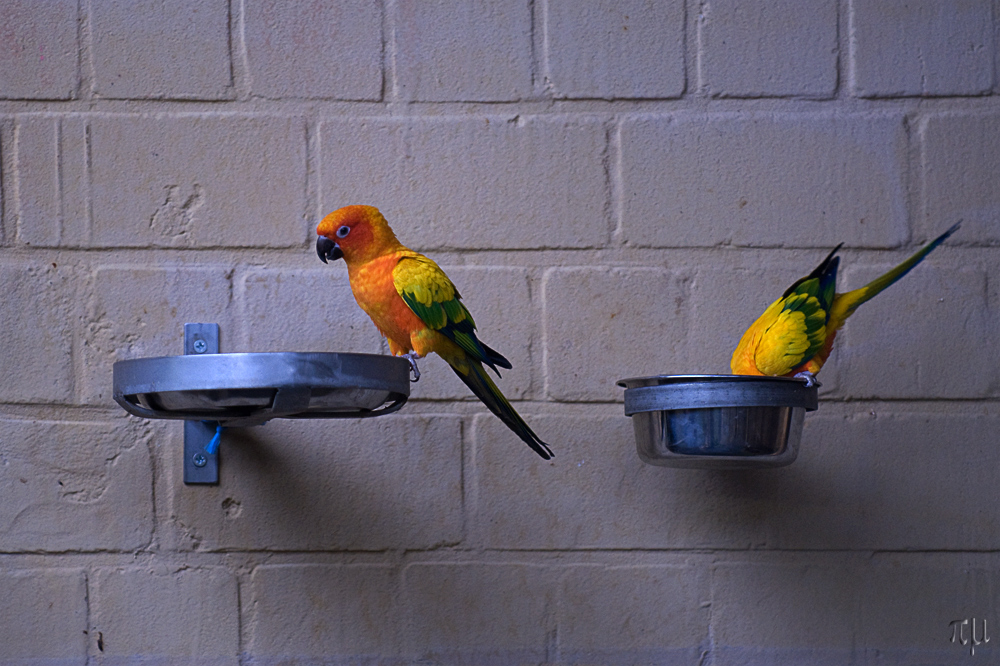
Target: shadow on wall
x: 330, y: 485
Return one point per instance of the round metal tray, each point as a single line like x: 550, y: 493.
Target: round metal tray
x: 718, y: 421
x: 249, y: 389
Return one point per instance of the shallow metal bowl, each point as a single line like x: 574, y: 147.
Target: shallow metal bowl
x: 248, y: 389
x: 717, y: 421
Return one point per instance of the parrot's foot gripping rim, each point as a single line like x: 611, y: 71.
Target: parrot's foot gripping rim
x: 809, y: 377
x: 414, y: 371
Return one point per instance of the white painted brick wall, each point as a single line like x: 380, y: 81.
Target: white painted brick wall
x: 703, y: 180
x: 39, y: 308
x: 618, y: 189
x: 463, y: 51
x: 960, y: 154
x: 331, y: 51
x: 154, y: 50
x: 772, y: 49
x: 347, y: 485
x: 921, y: 48
x: 615, y: 50
x: 523, y: 183
x: 590, y: 316
x: 455, y: 610
x: 173, y: 181
x: 351, y: 611
x: 75, y: 486
x: 188, y: 613
x: 41, y: 59
x: 58, y: 597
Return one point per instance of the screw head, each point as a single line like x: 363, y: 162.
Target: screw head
x: 199, y: 460
x: 200, y: 346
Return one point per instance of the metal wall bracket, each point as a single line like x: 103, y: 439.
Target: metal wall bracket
x: 238, y: 390
x: 200, y: 466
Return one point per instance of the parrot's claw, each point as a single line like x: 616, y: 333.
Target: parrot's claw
x: 809, y: 377
x: 414, y: 371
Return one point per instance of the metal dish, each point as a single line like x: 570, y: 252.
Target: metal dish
x: 718, y: 421
x: 249, y: 389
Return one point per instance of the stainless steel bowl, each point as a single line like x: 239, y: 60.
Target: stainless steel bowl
x: 717, y: 421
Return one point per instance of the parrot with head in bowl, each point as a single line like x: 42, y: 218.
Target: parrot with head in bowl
x: 795, y: 335
x: 416, y: 307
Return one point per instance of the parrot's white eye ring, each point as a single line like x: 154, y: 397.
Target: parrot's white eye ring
x: 343, y: 231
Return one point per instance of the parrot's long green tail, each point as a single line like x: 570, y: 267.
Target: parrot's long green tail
x: 487, y: 391
x: 847, y: 303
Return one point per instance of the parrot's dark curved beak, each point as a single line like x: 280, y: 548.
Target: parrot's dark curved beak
x: 327, y: 249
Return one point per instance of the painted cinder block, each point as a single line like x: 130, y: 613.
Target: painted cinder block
x: 913, y: 604
x: 878, y: 478
x: 137, y: 312
x: 154, y: 50
x: 697, y: 180
x: 791, y: 609
x: 960, y: 157
x: 462, y: 51
x: 37, y: 327
x: 923, y: 48
x: 477, y: 612
x: 633, y: 614
x: 304, y: 310
x: 930, y: 335
x: 835, y: 608
x: 40, y: 59
x: 492, y: 182
x: 355, y: 484
x: 44, y: 616
x: 593, y: 494
x: 603, y: 324
x: 768, y: 49
x: 849, y: 489
x: 74, y: 486
x: 319, y: 51
x: 197, y: 181
x: 615, y: 50
x: 343, y: 612
x: 36, y: 208
x: 51, y: 206
x: 185, y: 614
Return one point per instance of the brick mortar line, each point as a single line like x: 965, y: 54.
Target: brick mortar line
x: 85, y: 61
x: 465, y: 408
x: 701, y: 104
x: 552, y: 557
x: 612, y: 256
x: 239, y: 63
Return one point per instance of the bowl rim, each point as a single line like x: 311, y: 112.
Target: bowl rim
x: 673, y: 392
x: 709, y: 378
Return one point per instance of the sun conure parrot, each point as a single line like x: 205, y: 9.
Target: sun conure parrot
x: 795, y: 334
x: 415, y: 306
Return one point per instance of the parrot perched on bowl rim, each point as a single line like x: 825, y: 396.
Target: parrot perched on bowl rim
x: 794, y: 336
x: 416, y: 307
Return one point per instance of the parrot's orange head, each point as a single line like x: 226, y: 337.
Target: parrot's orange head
x: 354, y: 233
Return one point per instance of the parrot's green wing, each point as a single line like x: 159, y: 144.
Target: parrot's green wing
x: 795, y: 326
x: 429, y: 293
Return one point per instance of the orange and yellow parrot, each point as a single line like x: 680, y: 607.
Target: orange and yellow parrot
x: 415, y: 306
x: 795, y: 334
